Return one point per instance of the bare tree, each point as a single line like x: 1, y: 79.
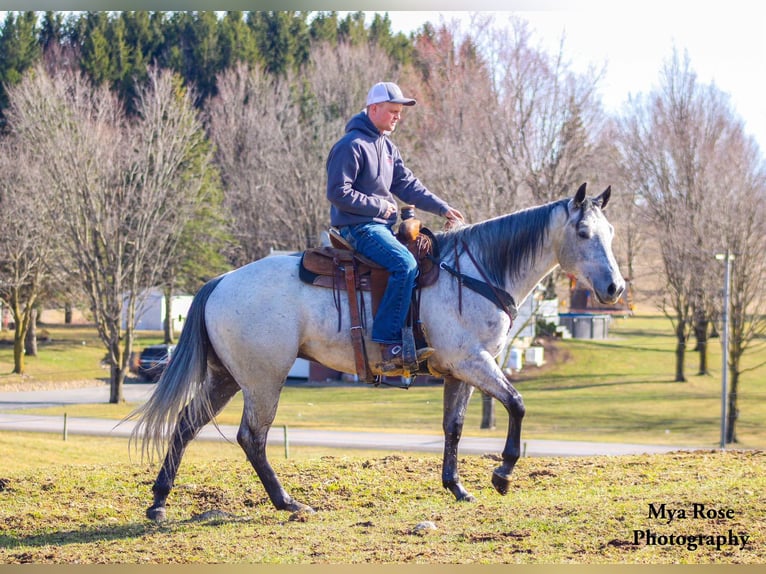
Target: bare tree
x: 272, y: 136
x: 445, y: 137
x: 28, y: 239
x: 632, y: 243
x: 243, y: 121
x: 672, y: 142
x: 741, y: 208
x: 547, y: 119
x: 548, y: 115
x: 126, y: 186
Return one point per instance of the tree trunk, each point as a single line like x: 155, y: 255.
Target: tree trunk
x: 550, y: 286
x: 18, y: 353
x: 30, y: 339
x: 732, y: 413
x: 19, y: 333
x: 67, y: 313
x: 168, y: 320
x: 117, y: 378
x: 116, y: 373
x: 700, y: 332
x: 680, y: 352
x: 487, y: 412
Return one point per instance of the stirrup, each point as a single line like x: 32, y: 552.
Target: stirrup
x: 393, y: 362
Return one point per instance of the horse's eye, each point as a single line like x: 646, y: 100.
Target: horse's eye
x: 583, y: 232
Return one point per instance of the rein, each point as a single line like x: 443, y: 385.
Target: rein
x: 501, y: 298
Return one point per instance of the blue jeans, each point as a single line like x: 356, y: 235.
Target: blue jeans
x: 377, y: 242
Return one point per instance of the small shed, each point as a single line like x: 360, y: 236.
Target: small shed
x: 150, y: 311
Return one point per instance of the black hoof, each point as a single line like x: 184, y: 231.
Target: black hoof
x: 501, y: 482
x: 156, y: 513
x: 461, y: 494
x: 299, y: 508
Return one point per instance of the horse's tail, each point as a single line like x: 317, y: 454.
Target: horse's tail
x: 181, y: 381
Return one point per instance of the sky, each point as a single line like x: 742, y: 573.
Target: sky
x: 725, y: 41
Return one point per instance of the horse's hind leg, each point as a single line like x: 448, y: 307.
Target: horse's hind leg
x: 257, y: 417
x: 220, y: 388
x: 456, y: 396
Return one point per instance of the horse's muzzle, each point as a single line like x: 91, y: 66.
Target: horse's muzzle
x: 611, y: 294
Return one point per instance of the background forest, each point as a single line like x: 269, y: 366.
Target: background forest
x: 144, y: 149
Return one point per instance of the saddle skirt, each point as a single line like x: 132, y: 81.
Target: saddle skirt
x: 341, y: 268
x: 324, y: 266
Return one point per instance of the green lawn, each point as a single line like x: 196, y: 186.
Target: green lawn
x: 620, y: 390
x: 67, y: 355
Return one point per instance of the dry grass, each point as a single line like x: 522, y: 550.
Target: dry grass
x: 577, y: 510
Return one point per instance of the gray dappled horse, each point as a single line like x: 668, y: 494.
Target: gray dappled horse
x: 246, y: 328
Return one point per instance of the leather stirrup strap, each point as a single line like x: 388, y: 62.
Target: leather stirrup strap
x: 357, y: 341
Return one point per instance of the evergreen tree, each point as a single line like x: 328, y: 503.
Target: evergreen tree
x: 236, y: 41
x: 96, y: 58
x: 301, y: 39
x: 75, y: 30
x: 143, y: 33
x: 397, y: 46
x: 175, y: 42
x: 274, y: 39
x: 138, y: 41
x: 352, y: 30
x: 19, y: 50
x: 120, y: 55
x: 198, y: 60
x: 324, y: 28
x: 51, y: 29
x: 155, y: 52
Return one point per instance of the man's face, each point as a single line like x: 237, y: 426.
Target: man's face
x: 385, y: 115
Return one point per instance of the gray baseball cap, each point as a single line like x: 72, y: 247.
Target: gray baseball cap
x: 387, y: 92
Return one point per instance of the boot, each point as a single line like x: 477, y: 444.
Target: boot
x: 391, y: 355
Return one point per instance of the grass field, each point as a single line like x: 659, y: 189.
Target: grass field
x: 83, y: 500
x: 620, y: 390
x: 68, y: 355
x: 373, y: 509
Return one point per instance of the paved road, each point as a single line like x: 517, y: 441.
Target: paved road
x: 10, y: 421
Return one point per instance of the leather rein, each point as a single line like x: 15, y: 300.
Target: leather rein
x: 501, y: 298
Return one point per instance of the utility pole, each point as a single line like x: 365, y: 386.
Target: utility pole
x: 727, y: 258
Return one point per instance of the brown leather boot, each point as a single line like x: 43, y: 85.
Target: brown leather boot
x: 391, y: 355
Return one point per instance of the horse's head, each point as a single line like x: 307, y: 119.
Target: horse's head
x: 586, y: 248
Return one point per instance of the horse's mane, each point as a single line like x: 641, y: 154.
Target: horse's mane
x: 502, y: 246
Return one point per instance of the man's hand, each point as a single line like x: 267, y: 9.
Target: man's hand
x: 390, y: 209
x: 454, y: 219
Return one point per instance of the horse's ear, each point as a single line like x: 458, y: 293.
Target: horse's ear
x: 580, y: 196
x: 603, y: 199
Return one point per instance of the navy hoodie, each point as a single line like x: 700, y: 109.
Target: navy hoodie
x: 365, y: 167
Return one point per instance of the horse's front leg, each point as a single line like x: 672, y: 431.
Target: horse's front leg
x: 482, y: 371
x: 456, y: 396
x: 501, y: 477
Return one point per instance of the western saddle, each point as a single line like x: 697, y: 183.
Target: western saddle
x: 339, y: 267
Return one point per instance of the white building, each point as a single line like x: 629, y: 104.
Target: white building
x: 534, y: 308
x: 150, y: 311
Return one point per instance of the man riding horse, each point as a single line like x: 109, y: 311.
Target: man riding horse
x: 364, y: 172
